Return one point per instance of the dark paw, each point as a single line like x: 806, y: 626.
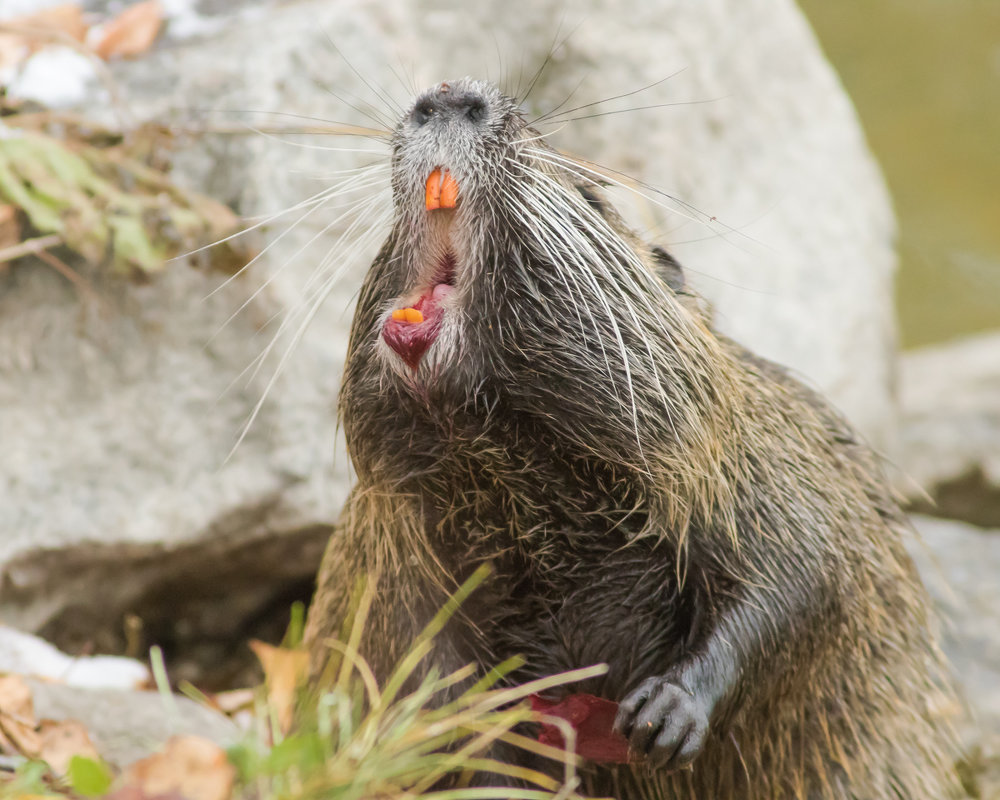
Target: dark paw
x: 664, y: 721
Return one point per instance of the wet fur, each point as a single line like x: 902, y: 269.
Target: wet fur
x: 649, y: 493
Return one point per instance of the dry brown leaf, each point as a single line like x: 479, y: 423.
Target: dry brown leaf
x: 60, y: 741
x: 136, y: 793
x: 13, y: 49
x: 10, y: 226
x: 46, y: 26
x: 132, y: 32
x: 21, y: 36
x: 234, y: 700
x: 193, y: 767
x: 17, y: 716
x: 284, y: 671
x: 34, y: 797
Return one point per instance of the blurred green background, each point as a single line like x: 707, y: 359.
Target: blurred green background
x: 925, y: 78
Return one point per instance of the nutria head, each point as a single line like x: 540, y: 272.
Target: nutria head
x: 509, y: 280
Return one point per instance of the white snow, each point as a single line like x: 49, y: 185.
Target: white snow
x: 25, y: 654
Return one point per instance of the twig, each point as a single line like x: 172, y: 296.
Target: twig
x: 29, y: 247
x: 82, y: 285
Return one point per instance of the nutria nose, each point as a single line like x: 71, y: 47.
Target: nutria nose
x: 445, y: 102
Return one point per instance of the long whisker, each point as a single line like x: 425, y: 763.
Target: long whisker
x: 314, y: 304
x: 599, y: 174
x: 254, y: 366
x: 324, y: 230
x: 360, y: 180
x: 343, y: 128
x: 551, y: 114
x: 309, y: 146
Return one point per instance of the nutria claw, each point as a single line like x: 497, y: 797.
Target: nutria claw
x: 665, y: 721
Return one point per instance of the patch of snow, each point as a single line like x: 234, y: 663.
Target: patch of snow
x: 25, y: 654
x: 56, y: 77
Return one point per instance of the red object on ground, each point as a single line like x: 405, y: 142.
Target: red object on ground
x: 591, y: 718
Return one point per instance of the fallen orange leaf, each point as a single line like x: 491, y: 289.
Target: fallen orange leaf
x: 190, y: 766
x: 17, y: 716
x: 233, y: 700
x: 132, y: 32
x: 284, y: 671
x: 60, y: 741
x: 38, y: 28
x: 23, y: 35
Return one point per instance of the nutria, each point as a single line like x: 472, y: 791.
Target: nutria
x: 528, y: 384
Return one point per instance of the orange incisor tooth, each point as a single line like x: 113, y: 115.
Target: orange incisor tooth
x: 441, y: 190
x: 432, y: 191
x: 449, y: 191
x: 407, y: 315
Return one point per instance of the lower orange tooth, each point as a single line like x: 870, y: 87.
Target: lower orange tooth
x: 408, y: 315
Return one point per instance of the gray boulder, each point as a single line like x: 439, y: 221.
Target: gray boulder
x: 127, y: 725
x: 959, y: 564
x: 949, y: 443
x: 118, y: 418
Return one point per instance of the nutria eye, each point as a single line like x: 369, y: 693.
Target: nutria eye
x: 476, y: 110
x: 422, y: 113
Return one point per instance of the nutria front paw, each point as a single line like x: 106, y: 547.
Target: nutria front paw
x: 663, y: 720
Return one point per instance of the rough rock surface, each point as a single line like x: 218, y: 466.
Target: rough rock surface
x: 960, y: 564
x: 118, y: 416
x: 128, y: 725
x: 949, y: 441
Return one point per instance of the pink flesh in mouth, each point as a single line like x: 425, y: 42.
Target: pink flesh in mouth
x: 410, y: 340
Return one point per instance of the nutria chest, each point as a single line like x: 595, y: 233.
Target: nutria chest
x: 575, y: 581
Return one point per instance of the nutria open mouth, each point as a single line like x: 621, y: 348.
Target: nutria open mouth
x: 414, y: 326
x: 411, y: 329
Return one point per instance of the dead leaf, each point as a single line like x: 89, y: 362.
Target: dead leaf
x: 60, y: 741
x: 135, y: 793
x: 284, y: 671
x: 66, y: 18
x: 13, y: 49
x: 233, y: 700
x: 132, y: 32
x: 22, y: 36
x: 10, y: 226
x: 17, y: 716
x: 49, y: 25
x: 191, y: 766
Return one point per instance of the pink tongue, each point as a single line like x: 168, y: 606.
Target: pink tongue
x: 442, y: 290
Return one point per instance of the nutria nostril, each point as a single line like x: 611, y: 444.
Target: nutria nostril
x: 450, y: 104
x: 422, y: 112
x: 474, y: 108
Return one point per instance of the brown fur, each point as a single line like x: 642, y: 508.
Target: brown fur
x: 650, y: 494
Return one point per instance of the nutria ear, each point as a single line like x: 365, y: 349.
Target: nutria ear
x: 593, y: 196
x: 668, y: 268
